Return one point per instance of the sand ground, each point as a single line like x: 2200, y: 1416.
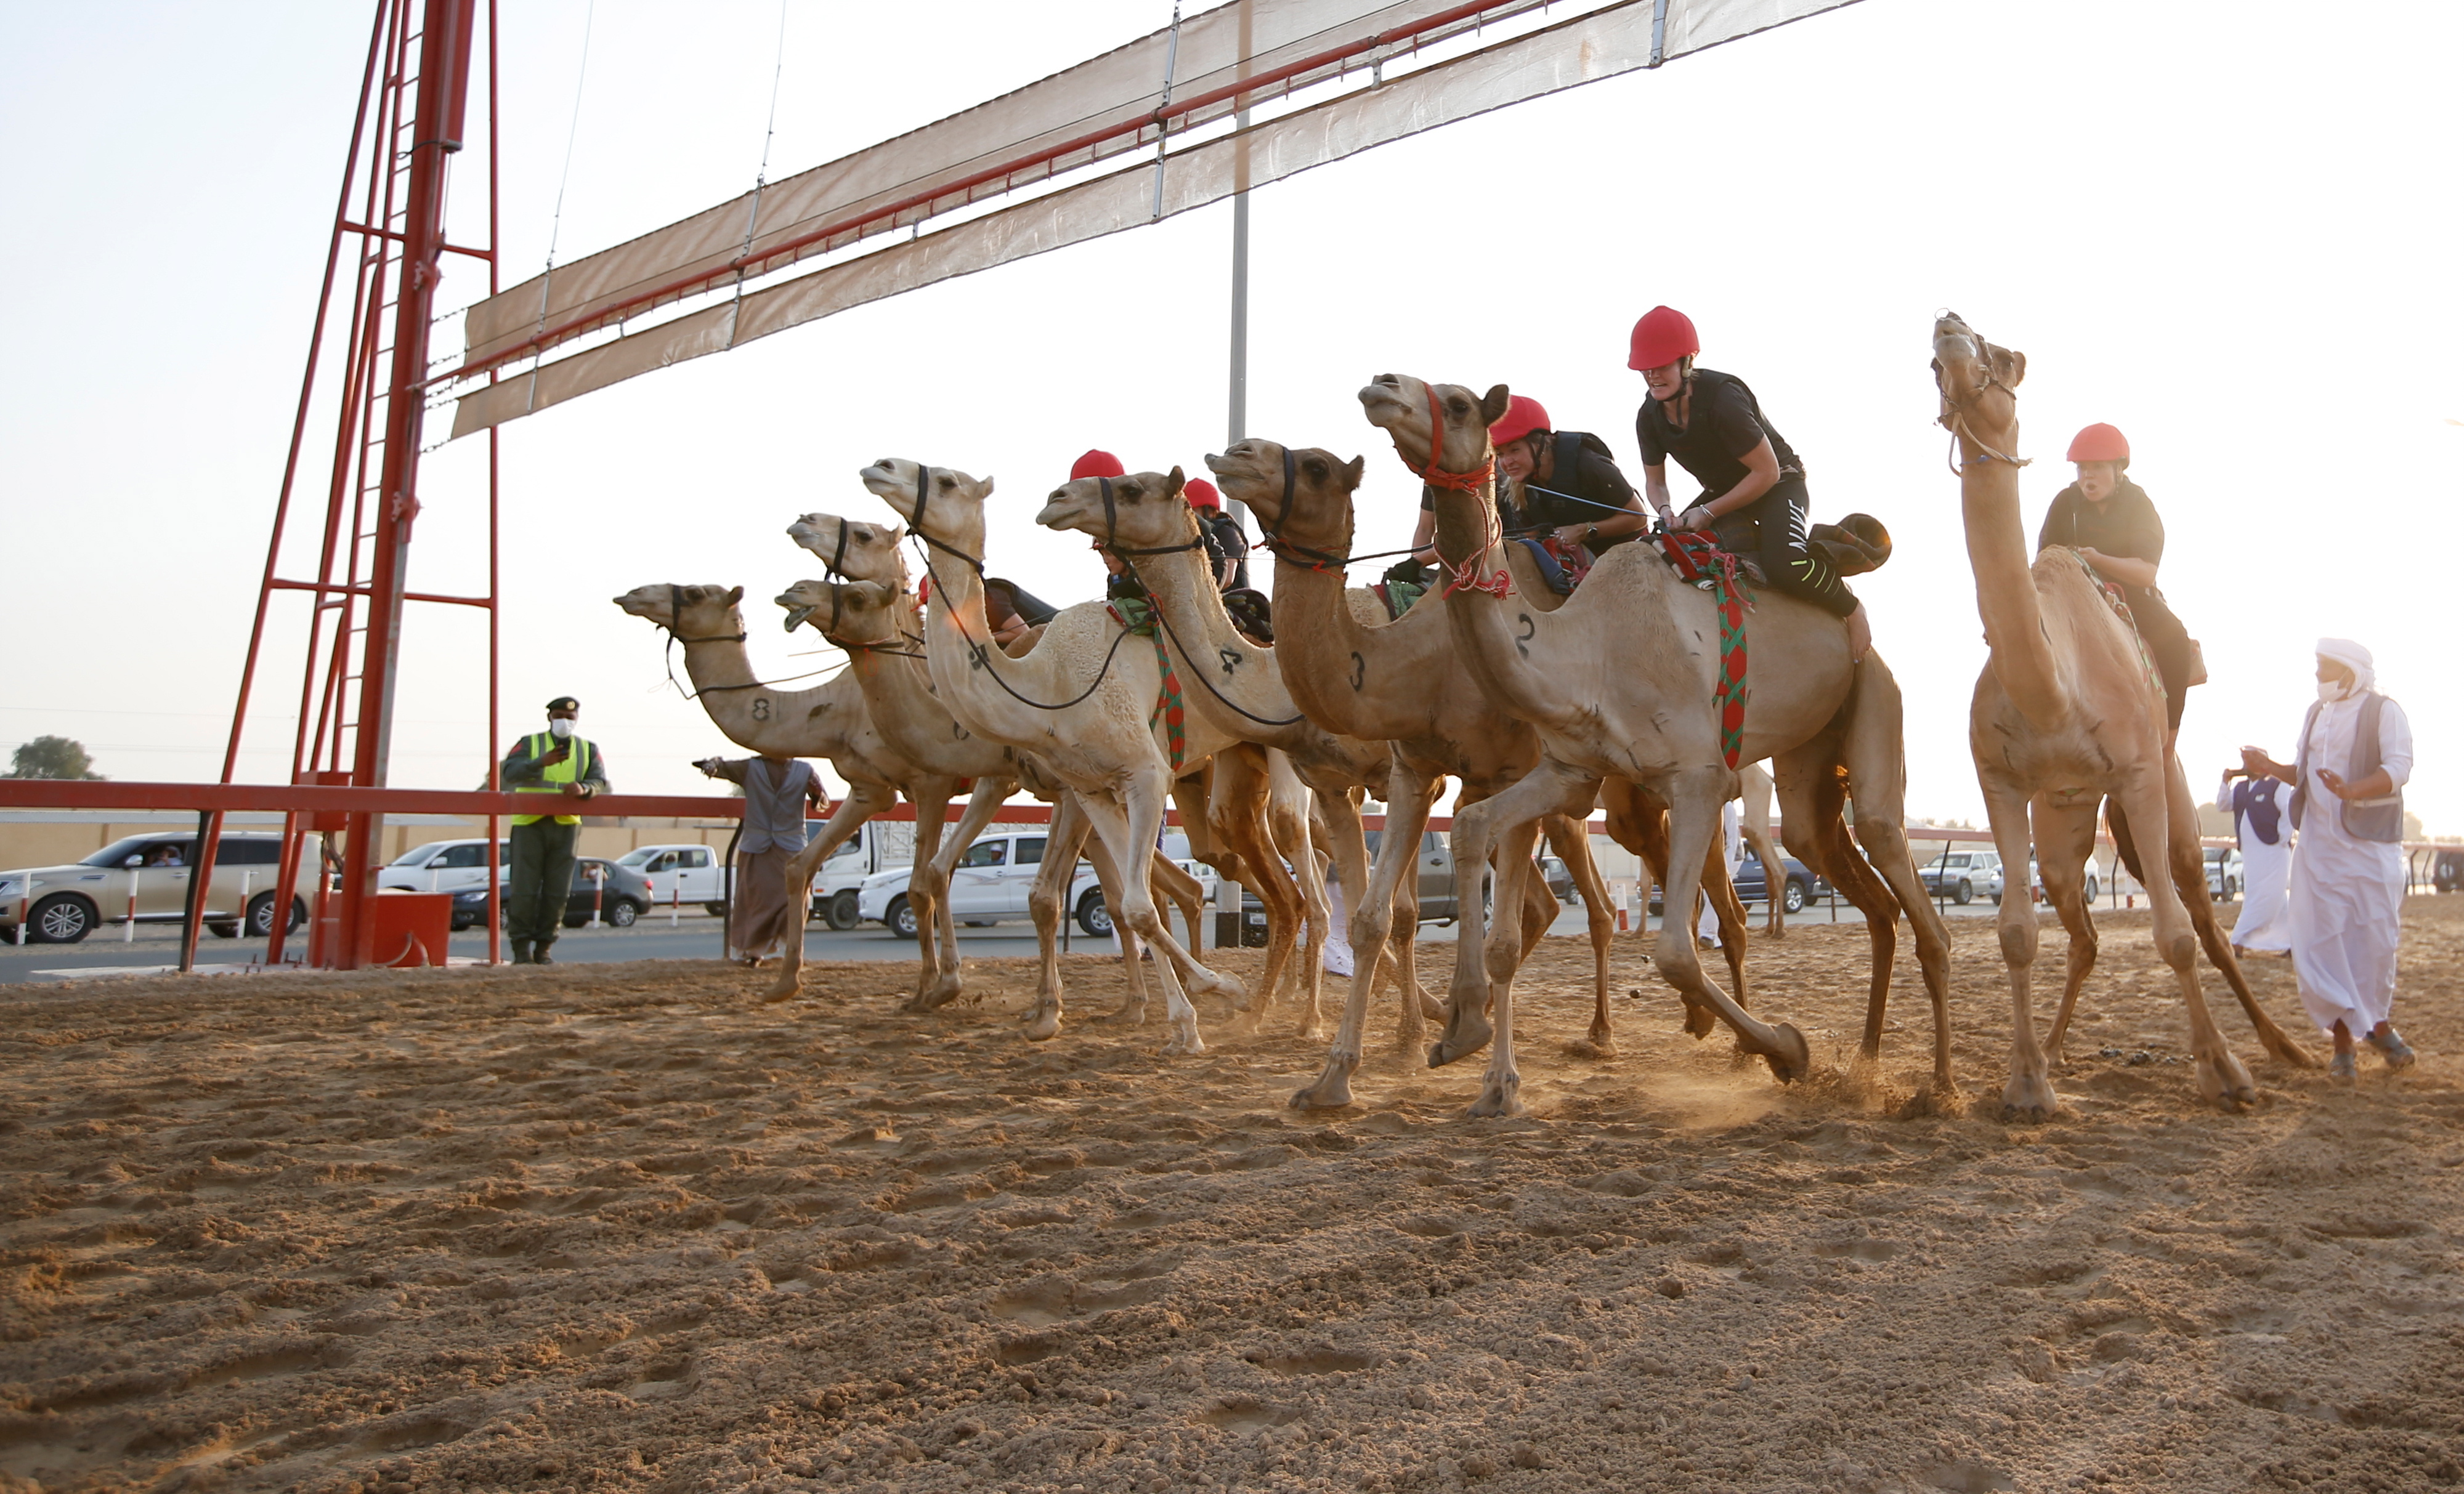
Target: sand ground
x: 621, y: 1227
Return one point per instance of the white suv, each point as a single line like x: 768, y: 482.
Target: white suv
x: 680, y: 874
x: 441, y: 866
x: 991, y: 883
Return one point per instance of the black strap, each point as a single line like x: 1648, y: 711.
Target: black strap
x: 838, y: 554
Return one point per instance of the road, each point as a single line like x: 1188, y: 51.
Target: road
x: 694, y: 936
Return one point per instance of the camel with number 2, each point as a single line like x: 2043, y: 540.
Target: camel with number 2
x: 2067, y: 716
x: 1619, y: 685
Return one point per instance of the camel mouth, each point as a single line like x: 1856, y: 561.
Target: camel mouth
x: 796, y: 614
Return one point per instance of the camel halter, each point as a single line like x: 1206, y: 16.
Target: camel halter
x: 1113, y: 530
x: 1293, y: 552
x: 1466, y: 577
x: 1956, y: 422
x: 675, y: 621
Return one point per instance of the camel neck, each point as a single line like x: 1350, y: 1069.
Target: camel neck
x: 1242, y: 688
x: 759, y: 718
x: 2006, y: 591
x: 1490, y: 623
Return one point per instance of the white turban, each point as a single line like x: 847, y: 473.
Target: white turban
x: 2352, y: 656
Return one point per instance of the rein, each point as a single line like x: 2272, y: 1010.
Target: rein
x: 1956, y: 423
x: 1435, y: 476
x: 1466, y: 577
x: 1305, y: 557
x: 675, y: 620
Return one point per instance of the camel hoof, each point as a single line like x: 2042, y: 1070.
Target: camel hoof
x: 1184, y: 1042
x: 1502, y: 1098
x: 785, y: 989
x: 2224, y: 1081
x: 1794, y: 1058
x: 2288, y: 1051
x: 1332, y: 1090
x: 1600, y: 1044
x: 1131, y: 1013
x: 1430, y: 1009
x: 1043, y: 1026
x: 2028, y: 1099
x: 1463, y: 1038
x: 1203, y: 981
x: 1701, y: 1022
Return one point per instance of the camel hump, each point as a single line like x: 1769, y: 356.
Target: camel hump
x: 1855, y: 544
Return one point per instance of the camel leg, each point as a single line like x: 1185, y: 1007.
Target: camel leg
x: 2065, y: 840
x: 1872, y: 750
x: 1639, y: 821
x: 1572, y: 840
x: 2029, y: 1095
x: 1340, y: 812
x: 2222, y: 1079
x: 1757, y: 808
x: 1048, y: 902
x: 1501, y: 1090
x: 940, y: 986
x: 1237, y: 810
x: 1132, y: 1010
x: 1408, y: 798
x: 1128, y: 825
x: 1728, y: 914
x: 1694, y: 797
x: 1812, y: 794
x: 864, y: 799
x: 1484, y: 832
x: 1168, y: 884
x: 1289, y: 823
x: 2190, y: 876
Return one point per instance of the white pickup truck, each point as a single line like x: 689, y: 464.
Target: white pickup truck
x: 691, y: 873
x: 991, y: 881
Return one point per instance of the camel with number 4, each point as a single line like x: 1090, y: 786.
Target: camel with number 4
x: 2069, y: 715
x: 900, y: 704
x: 1089, y: 701
x: 1619, y: 685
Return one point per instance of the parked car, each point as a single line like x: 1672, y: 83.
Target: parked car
x: 2036, y: 882
x: 1961, y: 874
x: 2446, y: 872
x: 991, y: 882
x: 441, y: 866
x: 1559, y: 881
x: 618, y: 892
x: 2224, y: 872
x: 64, y: 904
x: 1800, y: 884
x: 688, y: 873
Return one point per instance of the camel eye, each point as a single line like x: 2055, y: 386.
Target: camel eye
x: 1316, y: 468
x: 948, y: 482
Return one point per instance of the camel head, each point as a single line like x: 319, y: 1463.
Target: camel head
x: 1402, y: 406
x: 845, y: 612
x: 1979, y: 385
x: 852, y: 548
x: 694, y: 614
x: 1302, y: 496
x: 1142, y: 511
x: 952, y: 502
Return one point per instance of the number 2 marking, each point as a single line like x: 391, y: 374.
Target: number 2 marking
x: 1522, y: 639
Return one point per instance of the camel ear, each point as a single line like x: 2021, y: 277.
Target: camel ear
x: 1352, y: 472
x: 988, y: 485
x: 1492, y: 405
x: 2019, y: 367
x: 734, y: 595
x: 895, y: 533
x: 1171, y: 483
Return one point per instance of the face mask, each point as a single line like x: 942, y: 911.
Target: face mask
x: 2330, y: 692
x: 560, y: 728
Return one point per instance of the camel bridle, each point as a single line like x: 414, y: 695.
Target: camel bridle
x: 1954, y: 412
x: 1466, y: 577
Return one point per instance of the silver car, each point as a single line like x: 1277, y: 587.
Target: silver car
x: 147, y: 877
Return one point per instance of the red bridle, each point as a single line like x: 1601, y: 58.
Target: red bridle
x: 1433, y: 475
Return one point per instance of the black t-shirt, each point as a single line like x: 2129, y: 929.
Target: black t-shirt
x: 1725, y: 424
x: 2124, y: 524
x: 1225, y: 541
x: 1584, y: 469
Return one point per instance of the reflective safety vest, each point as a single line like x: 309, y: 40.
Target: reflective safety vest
x: 555, y: 774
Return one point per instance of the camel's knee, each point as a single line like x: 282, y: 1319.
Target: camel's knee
x: 2182, y: 951
x: 2018, y: 943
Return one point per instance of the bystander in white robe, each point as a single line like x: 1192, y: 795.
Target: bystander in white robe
x: 1732, y: 839
x: 2257, y: 806
x: 2345, y: 907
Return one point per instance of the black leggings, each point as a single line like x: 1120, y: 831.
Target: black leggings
x: 2169, y: 644
x: 1770, y: 533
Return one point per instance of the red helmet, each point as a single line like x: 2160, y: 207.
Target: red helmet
x: 2100, y: 443
x: 1201, y: 494
x: 1523, y: 416
x: 1097, y: 464
x: 1663, y: 336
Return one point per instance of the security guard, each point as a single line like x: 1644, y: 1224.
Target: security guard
x: 553, y: 762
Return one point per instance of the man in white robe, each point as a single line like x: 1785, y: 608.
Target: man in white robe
x: 2257, y: 804
x: 2345, y: 902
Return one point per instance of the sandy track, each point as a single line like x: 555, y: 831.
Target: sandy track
x: 619, y: 1227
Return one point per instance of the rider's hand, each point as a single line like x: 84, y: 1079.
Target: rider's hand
x: 1695, y: 519
x: 1572, y: 534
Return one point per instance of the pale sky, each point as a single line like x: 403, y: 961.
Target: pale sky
x: 2229, y: 228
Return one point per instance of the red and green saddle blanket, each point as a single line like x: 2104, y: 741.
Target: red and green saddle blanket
x: 1136, y: 615
x: 1700, y: 562
x: 2112, y: 595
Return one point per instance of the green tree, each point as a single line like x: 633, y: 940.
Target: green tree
x: 51, y: 758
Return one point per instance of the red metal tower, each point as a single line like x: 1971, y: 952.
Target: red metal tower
x: 413, y: 103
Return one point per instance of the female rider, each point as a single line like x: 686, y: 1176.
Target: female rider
x: 1563, y: 479
x: 2108, y: 519
x: 1753, y: 499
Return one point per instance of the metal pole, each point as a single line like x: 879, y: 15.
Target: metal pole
x: 436, y: 133
x: 1227, y: 893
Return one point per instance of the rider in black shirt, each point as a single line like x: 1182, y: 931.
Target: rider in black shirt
x: 2110, y: 521
x: 1565, y: 480
x: 1754, y: 497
